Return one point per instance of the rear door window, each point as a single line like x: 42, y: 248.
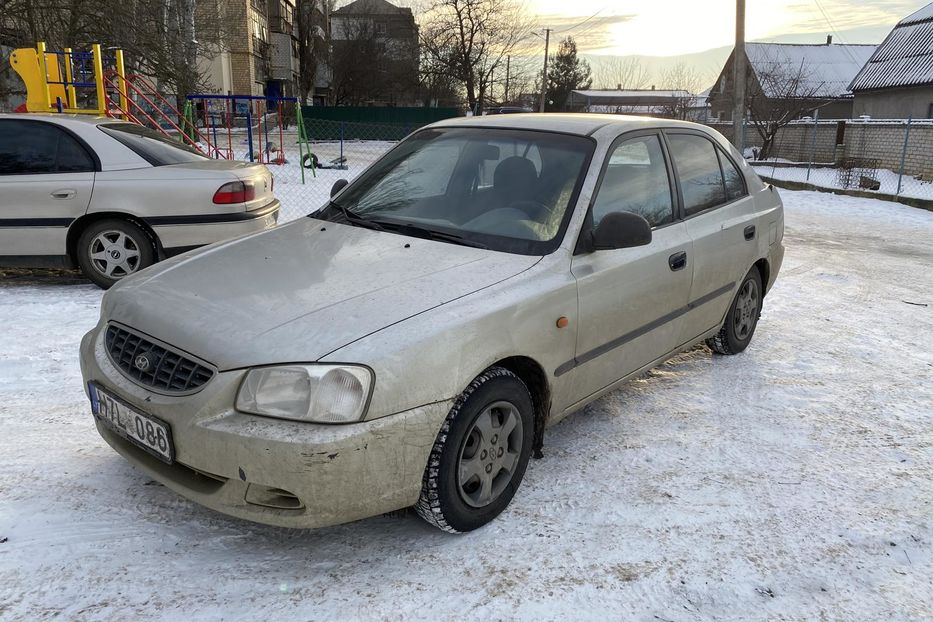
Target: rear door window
x: 697, y: 165
x: 735, y: 182
x: 30, y: 147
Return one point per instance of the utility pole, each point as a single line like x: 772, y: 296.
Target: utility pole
x: 738, y: 78
x: 547, y: 39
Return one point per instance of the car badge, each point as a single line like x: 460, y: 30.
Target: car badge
x: 142, y: 362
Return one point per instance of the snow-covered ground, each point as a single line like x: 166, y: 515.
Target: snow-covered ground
x: 829, y: 178
x: 794, y: 481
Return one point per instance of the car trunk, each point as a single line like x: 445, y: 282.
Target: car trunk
x: 223, y: 172
x: 261, y: 179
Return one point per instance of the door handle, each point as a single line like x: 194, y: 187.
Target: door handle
x: 64, y: 194
x: 750, y: 232
x: 677, y: 261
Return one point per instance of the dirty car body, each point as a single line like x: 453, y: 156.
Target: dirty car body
x: 483, y: 270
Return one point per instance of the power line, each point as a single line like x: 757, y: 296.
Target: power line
x: 575, y: 26
x: 832, y: 27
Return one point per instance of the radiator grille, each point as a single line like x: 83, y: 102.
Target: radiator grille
x: 153, y: 365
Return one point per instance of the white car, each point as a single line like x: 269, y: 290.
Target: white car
x: 113, y: 197
x: 407, y: 343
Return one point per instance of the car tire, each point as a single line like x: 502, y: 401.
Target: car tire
x: 742, y: 319
x: 111, y: 249
x: 473, y: 472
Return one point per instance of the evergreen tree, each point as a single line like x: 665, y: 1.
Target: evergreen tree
x: 565, y: 73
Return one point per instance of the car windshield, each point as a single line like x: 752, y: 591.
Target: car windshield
x: 506, y: 190
x: 155, y: 148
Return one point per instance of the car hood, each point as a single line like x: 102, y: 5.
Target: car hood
x: 299, y: 292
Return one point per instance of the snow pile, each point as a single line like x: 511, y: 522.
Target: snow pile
x: 829, y: 178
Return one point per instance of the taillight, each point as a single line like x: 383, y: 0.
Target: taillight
x: 235, y: 192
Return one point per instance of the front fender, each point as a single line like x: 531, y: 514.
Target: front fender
x: 435, y: 355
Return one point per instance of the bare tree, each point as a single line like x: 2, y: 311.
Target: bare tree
x: 437, y: 86
x: 619, y: 72
x: 314, y: 42
x: 686, y: 82
x: 161, y: 38
x: 368, y: 67
x: 777, y: 93
x: 470, y: 39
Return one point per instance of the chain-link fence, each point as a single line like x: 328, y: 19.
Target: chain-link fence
x: 338, y: 150
x: 886, y: 158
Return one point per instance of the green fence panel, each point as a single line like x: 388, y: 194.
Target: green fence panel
x: 369, y: 123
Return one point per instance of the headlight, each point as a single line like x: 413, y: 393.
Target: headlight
x: 318, y: 393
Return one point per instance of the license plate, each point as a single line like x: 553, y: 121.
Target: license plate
x: 144, y: 430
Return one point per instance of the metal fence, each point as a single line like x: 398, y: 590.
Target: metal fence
x: 887, y: 159
x: 890, y: 159
x: 339, y: 150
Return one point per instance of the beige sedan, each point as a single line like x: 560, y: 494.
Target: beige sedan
x: 408, y: 343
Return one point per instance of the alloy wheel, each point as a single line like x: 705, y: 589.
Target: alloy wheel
x: 114, y: 254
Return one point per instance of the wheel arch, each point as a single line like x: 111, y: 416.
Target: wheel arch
x: 764, y: 271
x: 533, y: 375
x: 80, y: 224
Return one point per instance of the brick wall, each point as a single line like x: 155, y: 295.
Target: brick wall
x: 878, y: 140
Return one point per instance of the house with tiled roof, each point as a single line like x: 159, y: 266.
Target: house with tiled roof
x: 897, y: 81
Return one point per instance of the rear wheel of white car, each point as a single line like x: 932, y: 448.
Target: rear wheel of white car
x: 109, y: 250
x: 742, y: 319
x: 480, y: 454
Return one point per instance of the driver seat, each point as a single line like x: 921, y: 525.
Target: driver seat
x: 514, y: 180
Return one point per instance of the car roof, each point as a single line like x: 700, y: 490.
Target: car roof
x: 63, y: 119
x: 582, y: 124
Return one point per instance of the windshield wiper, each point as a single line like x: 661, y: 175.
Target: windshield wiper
x: 355, y: 219
x: 430, y: 234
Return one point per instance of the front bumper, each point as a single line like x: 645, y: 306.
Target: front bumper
x: 282, y: 473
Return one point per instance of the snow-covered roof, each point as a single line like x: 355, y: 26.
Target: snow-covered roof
x: 631, y: 93
x: 825, y: 69
x: 905, y: 58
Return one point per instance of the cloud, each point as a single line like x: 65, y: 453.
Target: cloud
x: 829, y: 15
x: 590, y: 32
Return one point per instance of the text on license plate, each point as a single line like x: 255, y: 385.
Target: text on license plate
x: 144, y: 430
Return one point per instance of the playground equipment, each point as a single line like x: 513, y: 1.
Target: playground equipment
x: 73, y: 82
x: 58, y: 81
x: 264, y: 120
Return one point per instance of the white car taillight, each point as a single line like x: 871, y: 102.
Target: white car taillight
x: 235, y: 192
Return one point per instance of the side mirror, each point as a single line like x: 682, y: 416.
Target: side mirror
x: 337, y: 187
x: 621, y: 230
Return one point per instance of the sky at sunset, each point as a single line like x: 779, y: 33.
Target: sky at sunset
x: 675, y: 27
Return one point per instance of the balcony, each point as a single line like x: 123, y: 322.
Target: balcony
x: 280, y: 24
x: 283, y: 64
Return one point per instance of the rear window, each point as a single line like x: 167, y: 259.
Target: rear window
x: 155, y: 148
